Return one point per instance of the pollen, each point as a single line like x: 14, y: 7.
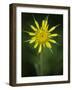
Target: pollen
x: 41, y: 36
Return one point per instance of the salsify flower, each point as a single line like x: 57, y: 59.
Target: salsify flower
x: 42, y: 36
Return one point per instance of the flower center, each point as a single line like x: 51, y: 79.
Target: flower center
x: 41, y: 36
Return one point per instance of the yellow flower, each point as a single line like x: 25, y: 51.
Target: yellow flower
x: 42, y: 36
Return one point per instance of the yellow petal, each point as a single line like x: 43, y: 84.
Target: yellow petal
x: 51, y: 40
x: 46, y: 28
x: 53, y: 35
x: 46, y: 22
x: 53, y: 28
x: 43, y: 23
x: 40, y: 49
x: 30, y: 33
x: 36, y: 44
x: 32, y: 40
x: 33, y: 28
x: 37, y: 25
x: 48, y: 45
x: 43, y: 45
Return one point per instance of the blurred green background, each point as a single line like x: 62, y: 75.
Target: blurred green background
x: 52, y: 63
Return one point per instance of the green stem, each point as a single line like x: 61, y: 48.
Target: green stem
x: 41, y: 63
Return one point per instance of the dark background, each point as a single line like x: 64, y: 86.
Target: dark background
x: 53, y: 63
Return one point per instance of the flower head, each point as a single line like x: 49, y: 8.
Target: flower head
x: 42, y: 36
